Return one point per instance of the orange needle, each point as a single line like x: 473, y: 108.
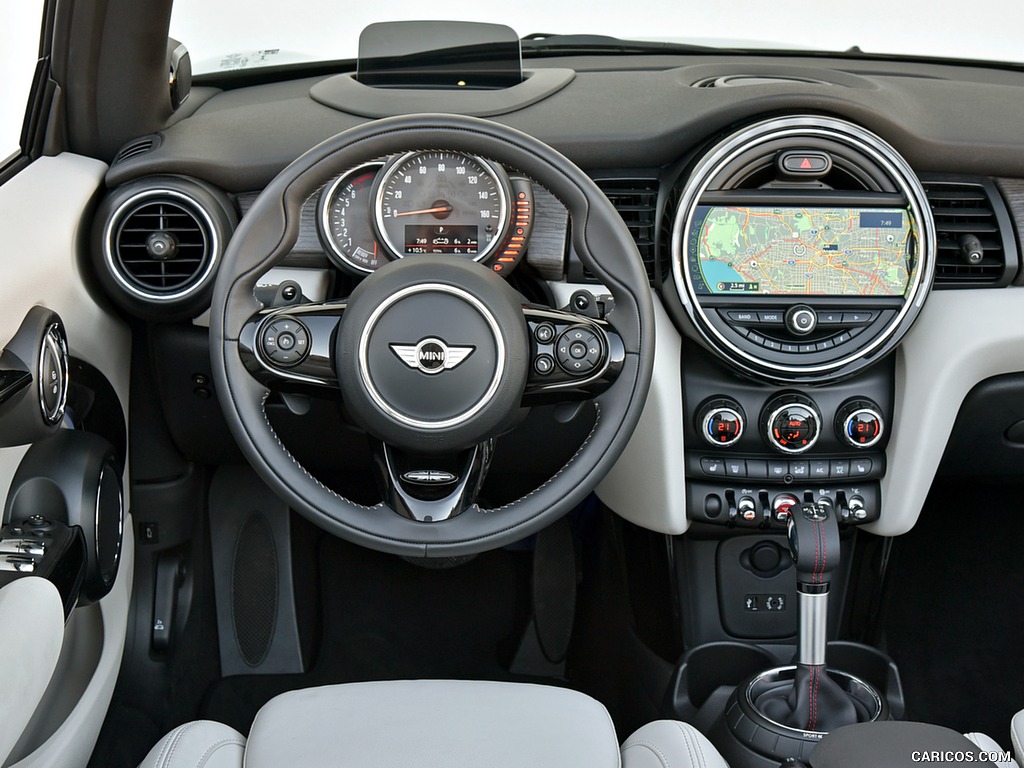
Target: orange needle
x: 439, y: 209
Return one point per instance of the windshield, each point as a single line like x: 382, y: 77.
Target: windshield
x: 222, y: 36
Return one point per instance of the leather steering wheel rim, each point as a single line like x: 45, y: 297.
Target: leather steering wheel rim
x: 266, y: 235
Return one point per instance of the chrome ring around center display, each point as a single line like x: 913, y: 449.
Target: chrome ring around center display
x: 807, y: 130
x: 450, y: 356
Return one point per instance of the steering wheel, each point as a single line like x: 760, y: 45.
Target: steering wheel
x: 434, y: 355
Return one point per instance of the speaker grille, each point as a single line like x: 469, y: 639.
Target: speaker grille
x: 254, y: 590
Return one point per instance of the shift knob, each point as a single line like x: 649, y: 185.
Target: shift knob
x: 814, y: 543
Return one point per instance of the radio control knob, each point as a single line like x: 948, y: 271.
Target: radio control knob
x: 721, y: 422
x: 791, y: 423
x: 801, y: 320
x: 859, y: 423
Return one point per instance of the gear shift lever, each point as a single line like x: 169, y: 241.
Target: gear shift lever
x: 783, y: 712
x: 814, y: 543
x: 814, y: 701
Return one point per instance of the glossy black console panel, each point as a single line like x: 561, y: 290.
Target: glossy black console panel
x: 734, y: 605
x: 793, y: 444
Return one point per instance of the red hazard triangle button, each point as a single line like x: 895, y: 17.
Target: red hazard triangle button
x: 804, y: 163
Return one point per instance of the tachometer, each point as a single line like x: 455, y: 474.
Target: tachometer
x: 346, y: 228
x: 442, y: 202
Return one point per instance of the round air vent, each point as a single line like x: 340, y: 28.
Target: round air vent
x: 160, y: 243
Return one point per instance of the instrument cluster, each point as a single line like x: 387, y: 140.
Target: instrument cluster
x: 426, y: 201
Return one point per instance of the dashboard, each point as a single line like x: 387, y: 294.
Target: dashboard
x: 833, y: 245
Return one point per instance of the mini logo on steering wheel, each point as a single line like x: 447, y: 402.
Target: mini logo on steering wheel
x: 431, y: 355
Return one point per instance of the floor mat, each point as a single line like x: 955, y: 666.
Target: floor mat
x: 384, y: 618
x: 954, y: 624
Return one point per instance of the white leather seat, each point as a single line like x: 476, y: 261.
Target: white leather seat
x: 670, y: 744
x: 32, y: 618
x: 200, y: 744
x: 447, y: 724
x: 988, y: 744
x: 1017, y: 736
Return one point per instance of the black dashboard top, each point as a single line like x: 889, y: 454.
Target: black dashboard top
x: 665, y: 108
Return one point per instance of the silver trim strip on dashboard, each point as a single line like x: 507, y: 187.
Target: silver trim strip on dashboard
x: 802, y: 126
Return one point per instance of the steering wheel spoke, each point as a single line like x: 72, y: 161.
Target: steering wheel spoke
x: 432, y: 488
x: 572, y: 356
x: 292, y: 348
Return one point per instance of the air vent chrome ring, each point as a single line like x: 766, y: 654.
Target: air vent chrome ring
x: 158, y: 242
x: 133, y: 205
x: 805, y: 130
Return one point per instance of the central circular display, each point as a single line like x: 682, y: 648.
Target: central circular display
x: 803, y: 248
x: 431, y: 356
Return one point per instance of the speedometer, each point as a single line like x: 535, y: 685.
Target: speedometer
x: 442, y: 202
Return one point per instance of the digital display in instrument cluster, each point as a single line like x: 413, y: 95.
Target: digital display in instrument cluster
x: 460, y: 239
x: 805, y: 251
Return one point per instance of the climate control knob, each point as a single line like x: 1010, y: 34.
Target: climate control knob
x: 791, y: 423
x: 721, y: 422
x: 859, y: 423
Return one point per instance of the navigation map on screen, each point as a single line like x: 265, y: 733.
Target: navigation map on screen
x: 800, y: 251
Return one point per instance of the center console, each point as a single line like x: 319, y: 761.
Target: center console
x: 803, y: 250
x: 754, y: 450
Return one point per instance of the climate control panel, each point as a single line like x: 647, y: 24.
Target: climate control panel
x: 753, y: 450
x: 860, y: 424
x: 721, y: 422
